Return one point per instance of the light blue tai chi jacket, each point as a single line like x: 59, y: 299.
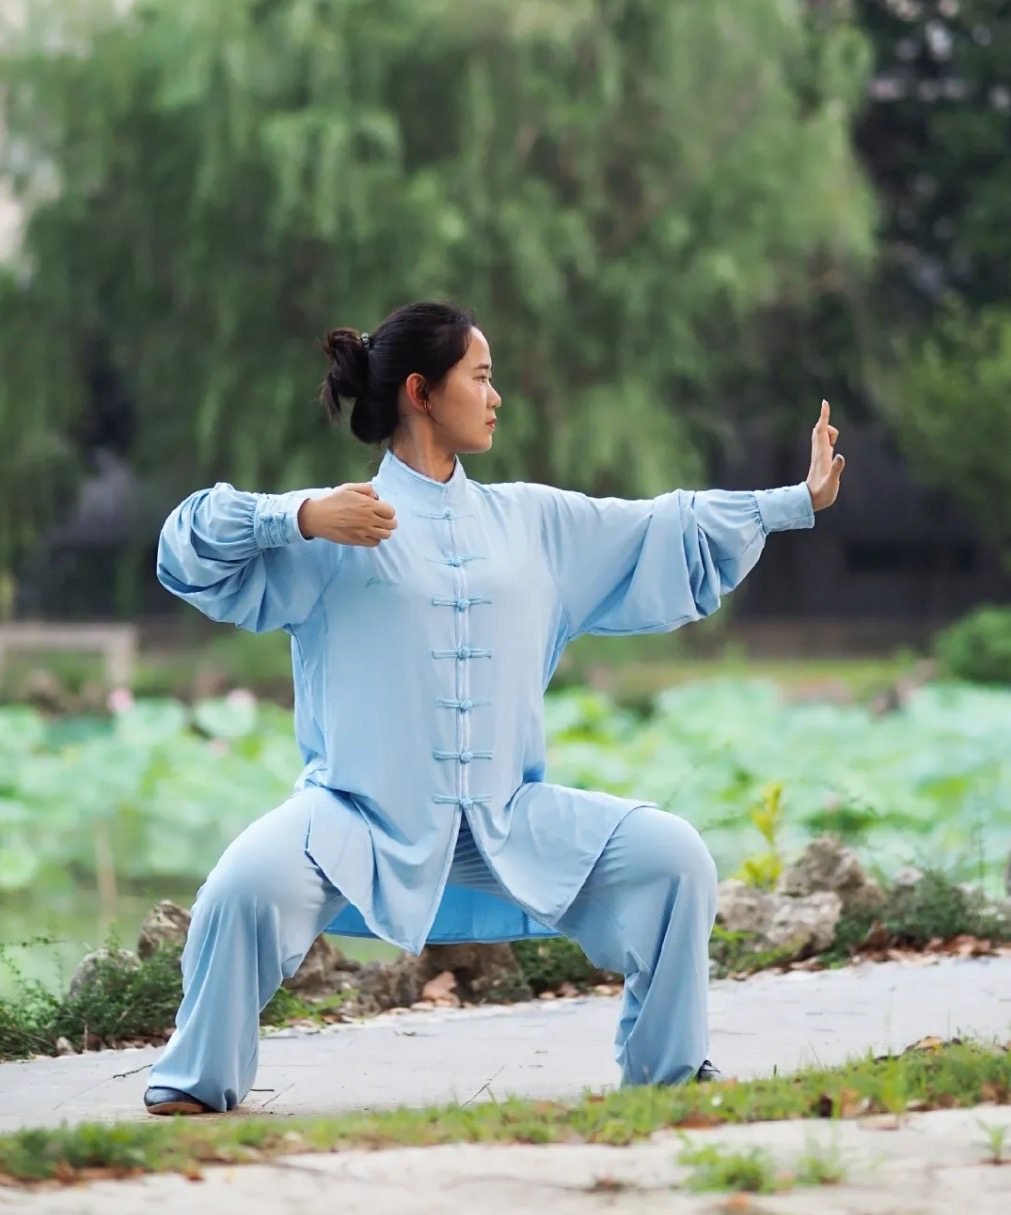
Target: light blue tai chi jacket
x: 420, y: 668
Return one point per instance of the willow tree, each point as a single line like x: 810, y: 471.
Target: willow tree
x: 619, y: 187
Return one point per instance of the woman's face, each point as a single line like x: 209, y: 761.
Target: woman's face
x: 463, y: 406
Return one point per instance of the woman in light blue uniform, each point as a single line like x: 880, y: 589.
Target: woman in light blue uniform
x: 427, y: 613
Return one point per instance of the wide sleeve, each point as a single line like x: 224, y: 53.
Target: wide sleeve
x: 652, y: 565
x: 240, y: 557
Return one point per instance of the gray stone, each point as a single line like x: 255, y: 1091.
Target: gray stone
x: 805, y: 925
x: 744, y: 908
x: 1007, y: 875
x: 381, y: 985
x: 91, y: 964
x: 165, y: 927
x: 323, y: 970
x: 483, y: 972
x: 907, y: 877
x: 828, y: 864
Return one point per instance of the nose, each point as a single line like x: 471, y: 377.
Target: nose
x: 496, y: 398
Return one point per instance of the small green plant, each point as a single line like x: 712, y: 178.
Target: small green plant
x: 994, y: 1141
x: 763, y: 870
x: 549, y: 963
x: 935, y: 908
x: 733, y: 952
x: 820, y: 1165
x: 977, y: 647
x: 715, y: 1168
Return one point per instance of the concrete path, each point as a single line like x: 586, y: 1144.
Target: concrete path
x: 547, y: 1048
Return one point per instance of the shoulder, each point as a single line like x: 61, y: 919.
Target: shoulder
x: 529, y: 496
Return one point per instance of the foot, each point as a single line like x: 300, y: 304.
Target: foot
x: 709, y: 1073
x: 172, y: 1101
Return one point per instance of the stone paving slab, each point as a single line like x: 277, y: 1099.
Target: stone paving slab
x: 930, y: 1164
x: 547, y: 1048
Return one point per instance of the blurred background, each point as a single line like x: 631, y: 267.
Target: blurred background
x: 681, y: 224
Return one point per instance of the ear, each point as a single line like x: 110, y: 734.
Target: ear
x: 416, y: 388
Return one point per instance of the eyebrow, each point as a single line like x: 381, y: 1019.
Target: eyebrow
x: 483, y: 367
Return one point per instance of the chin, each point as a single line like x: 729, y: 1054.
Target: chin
x: 476, y: 446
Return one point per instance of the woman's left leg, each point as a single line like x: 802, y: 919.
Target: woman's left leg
x: 647, y: 910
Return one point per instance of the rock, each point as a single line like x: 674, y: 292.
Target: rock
x: 826, y: 864
x: 907, y: 877
x: 165, y: 927
x: 91, y: 965
x: 439, y: 988
x: 806, y: 925
x: 744, y: 908
x: 1007, y: 876
x: 65, y: 1047
x: 44, y: 690
x: 382, y: 985
x: 484, y: 973
x: 322, y: 971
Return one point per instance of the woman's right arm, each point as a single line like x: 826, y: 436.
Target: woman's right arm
x: 241, y: 557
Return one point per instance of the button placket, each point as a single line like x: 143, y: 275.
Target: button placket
x: 461, y: 603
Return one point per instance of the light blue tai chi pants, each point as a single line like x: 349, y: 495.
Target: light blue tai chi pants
x: 646, y: 911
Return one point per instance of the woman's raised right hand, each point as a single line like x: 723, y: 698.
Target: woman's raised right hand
x: 352, y: 514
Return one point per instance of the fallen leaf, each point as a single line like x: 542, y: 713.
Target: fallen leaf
x: 697, y: 1121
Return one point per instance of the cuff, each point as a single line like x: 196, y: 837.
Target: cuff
x: 275, y: 519
x: 786, y: 509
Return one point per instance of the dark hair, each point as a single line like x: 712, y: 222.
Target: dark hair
x: 427, y: 338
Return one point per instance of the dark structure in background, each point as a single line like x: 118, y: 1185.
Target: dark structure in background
x: 886, y: 566
x: 889, y: 564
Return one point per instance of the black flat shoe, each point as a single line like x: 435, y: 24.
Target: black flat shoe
x: 172, y: 1101
x: 709, y: 1073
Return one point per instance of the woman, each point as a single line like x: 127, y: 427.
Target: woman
x: 427, y: 613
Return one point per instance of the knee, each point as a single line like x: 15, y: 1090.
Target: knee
x: 243, y: 883
x: 685, y: 856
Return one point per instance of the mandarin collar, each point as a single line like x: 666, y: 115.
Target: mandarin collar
x: 397, y: 477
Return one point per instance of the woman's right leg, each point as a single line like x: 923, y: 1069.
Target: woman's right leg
x: 254, y: 920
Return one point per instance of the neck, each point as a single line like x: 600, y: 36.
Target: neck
x: 422, y: 454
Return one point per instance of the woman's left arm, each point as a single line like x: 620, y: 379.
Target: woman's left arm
x: 653, y: 565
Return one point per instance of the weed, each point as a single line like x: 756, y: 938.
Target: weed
x: 766, y: 816
x: 715, y: 1168
x: 820, y: 1165
x: 994, y: 1141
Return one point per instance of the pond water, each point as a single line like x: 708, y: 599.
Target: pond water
x: 44, y: 935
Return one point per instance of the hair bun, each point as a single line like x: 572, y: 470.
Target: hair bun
x: 347, y: 376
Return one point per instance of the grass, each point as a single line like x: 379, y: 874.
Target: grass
x: 715, y: 1168
x: 946, y: 1076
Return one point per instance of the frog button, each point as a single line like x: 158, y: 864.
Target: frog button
x: 465, y: 706
x: 467, y: 803
x: 466, y: 757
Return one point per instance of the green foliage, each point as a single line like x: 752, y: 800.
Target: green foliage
x: 978, y: 647
x: 116, y: 1003
x: 620, y: 190
x: 735, y: 952
x: 171, y: 784
x: 934, y: 908
x: 764, y: 869
x: 546, y: 965
x: 718, y: 1168
x: 820, y: 1165
x: 949, y: 401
